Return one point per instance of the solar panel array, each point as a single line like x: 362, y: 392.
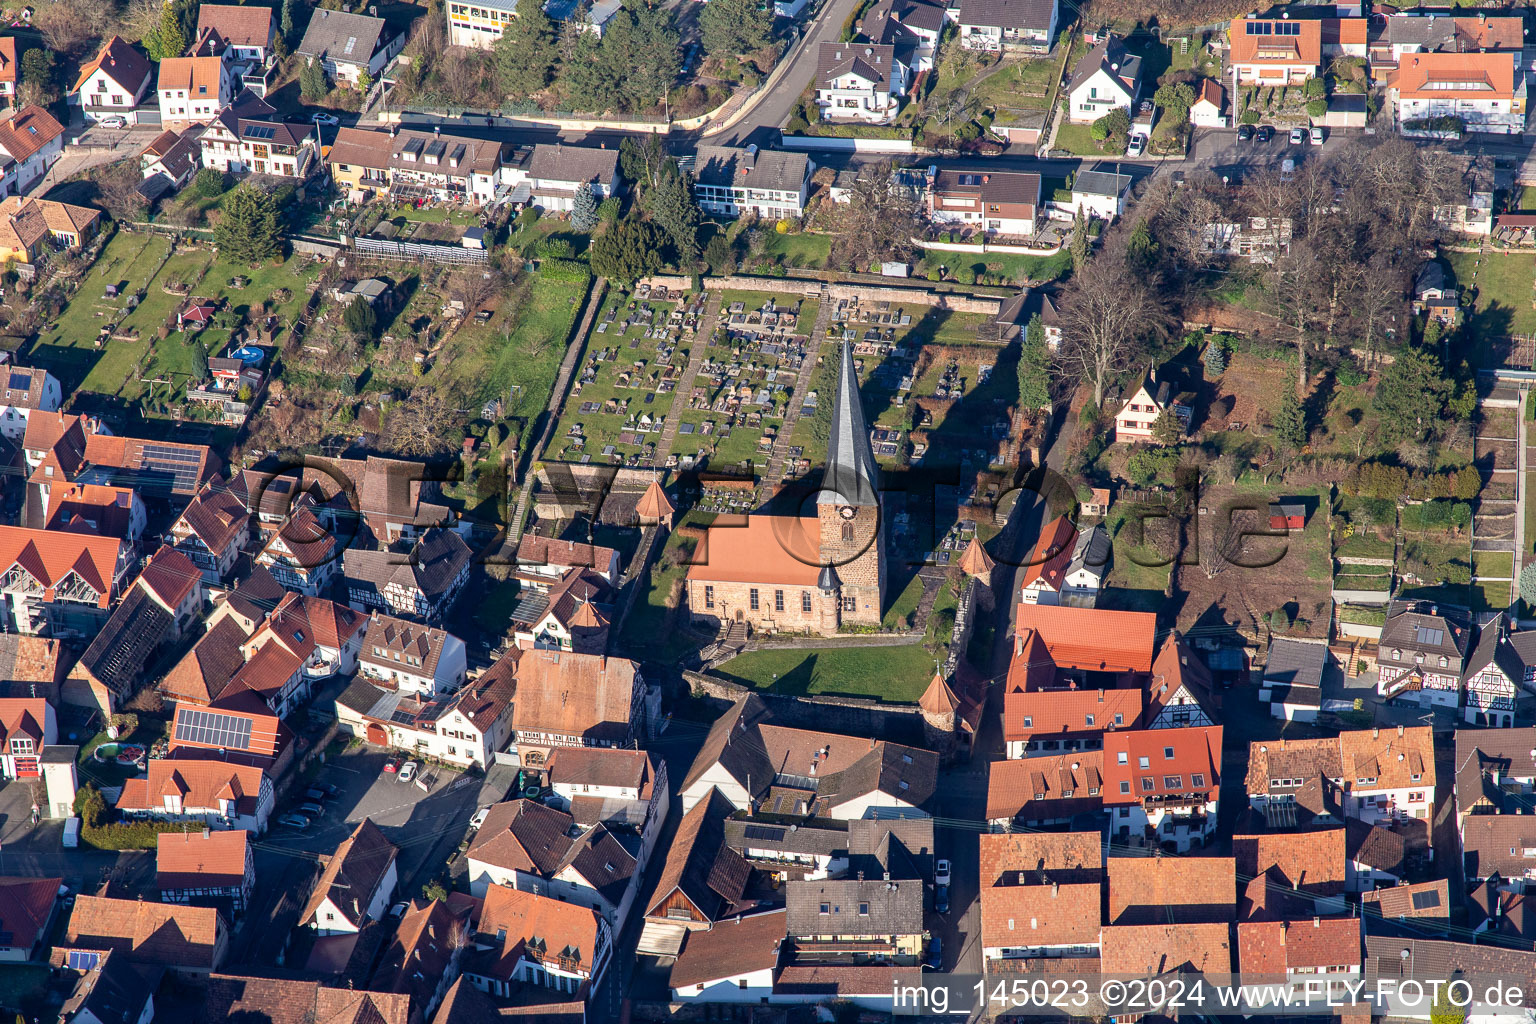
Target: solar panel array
x: 20, y: 381
x: 181, y: 463
x: 213, y: 729
x: 763, y: 832
x: 1426, y: 900
x: 259, y: 131
x: 83, y: 959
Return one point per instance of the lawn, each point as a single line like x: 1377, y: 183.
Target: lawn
x: 798, y: 250
x: 1018, y: 84
x: 1489, y: 595
x: 1076, y: 138
x: 1503, y: 282
x: 894, y: 674
x: 1014, y: 266
x: 1498, y: 565
x: 904, y: 604
x: 129, y: 262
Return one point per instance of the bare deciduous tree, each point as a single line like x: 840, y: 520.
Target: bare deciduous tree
x: 875, y: 224
x: 1108, y: 313
x: 1223, y: 546
x: 417, y: 424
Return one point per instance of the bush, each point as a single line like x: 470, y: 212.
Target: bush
x: 209, y: 183
x: 1317, y: 108
x: 130, y: 835
x: 1350, y: 375
x: 573, y: 271
x: 1316, y: 88
x: 1250, y: 116
x: 90, y: 805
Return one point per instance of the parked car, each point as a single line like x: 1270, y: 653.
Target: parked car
x: 935, y: 959
x: 1266, y: 132
x: 941, y: 872
x: 479, y: 818
x: 315, y: 794
x: 330, y: 791
x: 294, y: 820
x: 311, y: 809
x: 113, y: 122
x: 408, y: 771
x: 1298, y: 136
x: 1244, y: 132
x: 322, y: 118
x: 71, y: 833
x: 1317, y: 135
x: 393, y: 764
x: 941, y: 900
x: 1137, y: 146
x: 397, y: 911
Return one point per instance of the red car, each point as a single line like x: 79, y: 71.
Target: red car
x: 393, y: 764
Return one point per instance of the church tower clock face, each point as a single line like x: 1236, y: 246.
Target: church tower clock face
x: 847, y: 511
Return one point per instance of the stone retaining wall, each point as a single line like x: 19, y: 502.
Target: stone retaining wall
x: 852, y: 715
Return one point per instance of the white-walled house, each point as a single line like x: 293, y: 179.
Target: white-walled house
x: 193, y: 89
x: 356, y: 886
x: 350, y: 45
x: 411, y: 658
x: 1205, y: 112
x: 1163, y: 785
x: 1376, y: 775
x: 1023, y: 25
x: 733, y: 961
x: 467, y: 728
x: 1100, y: 194
x: 1106, y: 78
x: 212, y: 793
x: 114, y: 83
x: 731, y: 181
x: 859, y: 82
x: 25, y: 391
x: 33, y: 140
x: 1486, y: 91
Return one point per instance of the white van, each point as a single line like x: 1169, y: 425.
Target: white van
x: 71, y: 833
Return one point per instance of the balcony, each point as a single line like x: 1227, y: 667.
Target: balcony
x: 320, y: 665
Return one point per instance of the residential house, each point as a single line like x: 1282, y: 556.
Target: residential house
x: 758, y: 766
x: 478, y: 24
x: 1137, y: 418
x: 31, y: 142
x: 1175, y: 890
x: 1292, y: 684
x: 1377, y: 856
x: 410, y: 658
x: 1391, y: 959
x: 1019, y: 310
x: 524, y: 938
x: 249, y: 32
x: 1375, y: 775
x: 1210, y: 100
x: 60, y: 583
x: 468, y: 727
x: 301, y: 554
x: 428, y: 165
x: 1014, y: 25
x: 703, y: 881
x: 1040, y: 895
x: 1085, y: 572
x: 153, y: 615
x: 214, y: 793
x: 421, y: 584
x: 1100, y: 194
x: 350, y: 46
x: 1422, y: 653
x: 542, y: 562
x: 1105, y: 78
x: 27, y: 726
x: 730, y: 181
x: 27, y: 907
x: 355, y: 885
x: 304, y: 641
x: 733, y: 962
x: 1274, y: 51
x: 178, y: 937
x: 1421, y: 900
x: 1315, y: 957
x: 1499, y: 909
x: 360, y: 162
x: 213, y: 530
x: 170, y: 161
x: 233, y: 997
x: 10, y: 65
x: 27, y: 390
x: 249, y: 137
x: 1486, y: 92
x: 1404, y: 35
x: 1499, y: 673
x: 573, y: 615
x: 1499, y: 845
x: 862, y: 82
x: 205, y: 868
x: 1495, y: 771
x: 424, y: 956
x: 1058, y: 789
x: 528, y: 846
x: 99, y: 509
x: 884, y: 918
x: 1435, y: 294
x: 33, y: 666
x: 193, y: 89
x: 913, y: 27
x: 555, y: 172
x: 608, y: 784
x: 61, y: 448
x: 31, y: 228
x: 248, y: 735
x: 1155, y: 950
x: 988, y: 202
x: 1256, y: 239
x: 1045, y: 572
x: 107, y: 988
x: 804, y: 851
x: 113, y: 84
x: 1179, y: 690
x: 1162, y: 785
x: 1291, y: 874
x: 574, y: 700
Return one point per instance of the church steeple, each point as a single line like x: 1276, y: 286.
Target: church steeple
x: 851, y: 474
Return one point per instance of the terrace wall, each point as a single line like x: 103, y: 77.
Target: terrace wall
x: 852, y: 715
x: 951, y: 301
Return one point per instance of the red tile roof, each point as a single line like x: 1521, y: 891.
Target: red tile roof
x: 1013, y: 785
x: 1092, y: 639
x: 1272, y: 948
x: 1143, y: 889
x: 165, y: 934
x: 1069, y: 714
x: 200, y: 784
x: 29, y: 131
x: 759, y: 549
x: 26, y: 904
x: 1313, y: 862
x: 1194, y: 766
x: 1304, y: 50
x: 50, y: 556
x: 1152, y: 949
x: 1047, y: 566
x: 1041, y: 889
x: 170, y: 577
x: 193, y: 860
x: 537, y: 927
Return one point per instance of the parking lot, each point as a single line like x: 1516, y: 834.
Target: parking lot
x: 1221, y: 151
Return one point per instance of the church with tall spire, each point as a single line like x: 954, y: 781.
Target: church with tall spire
x: 803, y: 573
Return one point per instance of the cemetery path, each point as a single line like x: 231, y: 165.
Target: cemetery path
x: 684, y: 393
x: 781, y: 443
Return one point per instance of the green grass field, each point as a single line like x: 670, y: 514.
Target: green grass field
x: 894, y: 674
x: 1019, y: 84
x: 1075, y: 138
x: 1503, y: 282
x: 801, y: 250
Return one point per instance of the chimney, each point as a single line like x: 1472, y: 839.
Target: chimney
x: 861, y: 876
x: 1022, y: 879
x: 1055, y: 889
x: 1375, y: 734
x: 1317, y: 922
x: 1399, y: 731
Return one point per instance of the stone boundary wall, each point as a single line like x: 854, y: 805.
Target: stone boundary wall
x: 857, y: 716
x: 985, y: 304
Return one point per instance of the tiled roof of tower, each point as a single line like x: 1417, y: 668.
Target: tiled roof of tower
x: 851, y: 477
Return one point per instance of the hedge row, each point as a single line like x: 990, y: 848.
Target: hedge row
x: 131, y: 835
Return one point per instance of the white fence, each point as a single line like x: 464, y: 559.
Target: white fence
x: 837, y: 145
